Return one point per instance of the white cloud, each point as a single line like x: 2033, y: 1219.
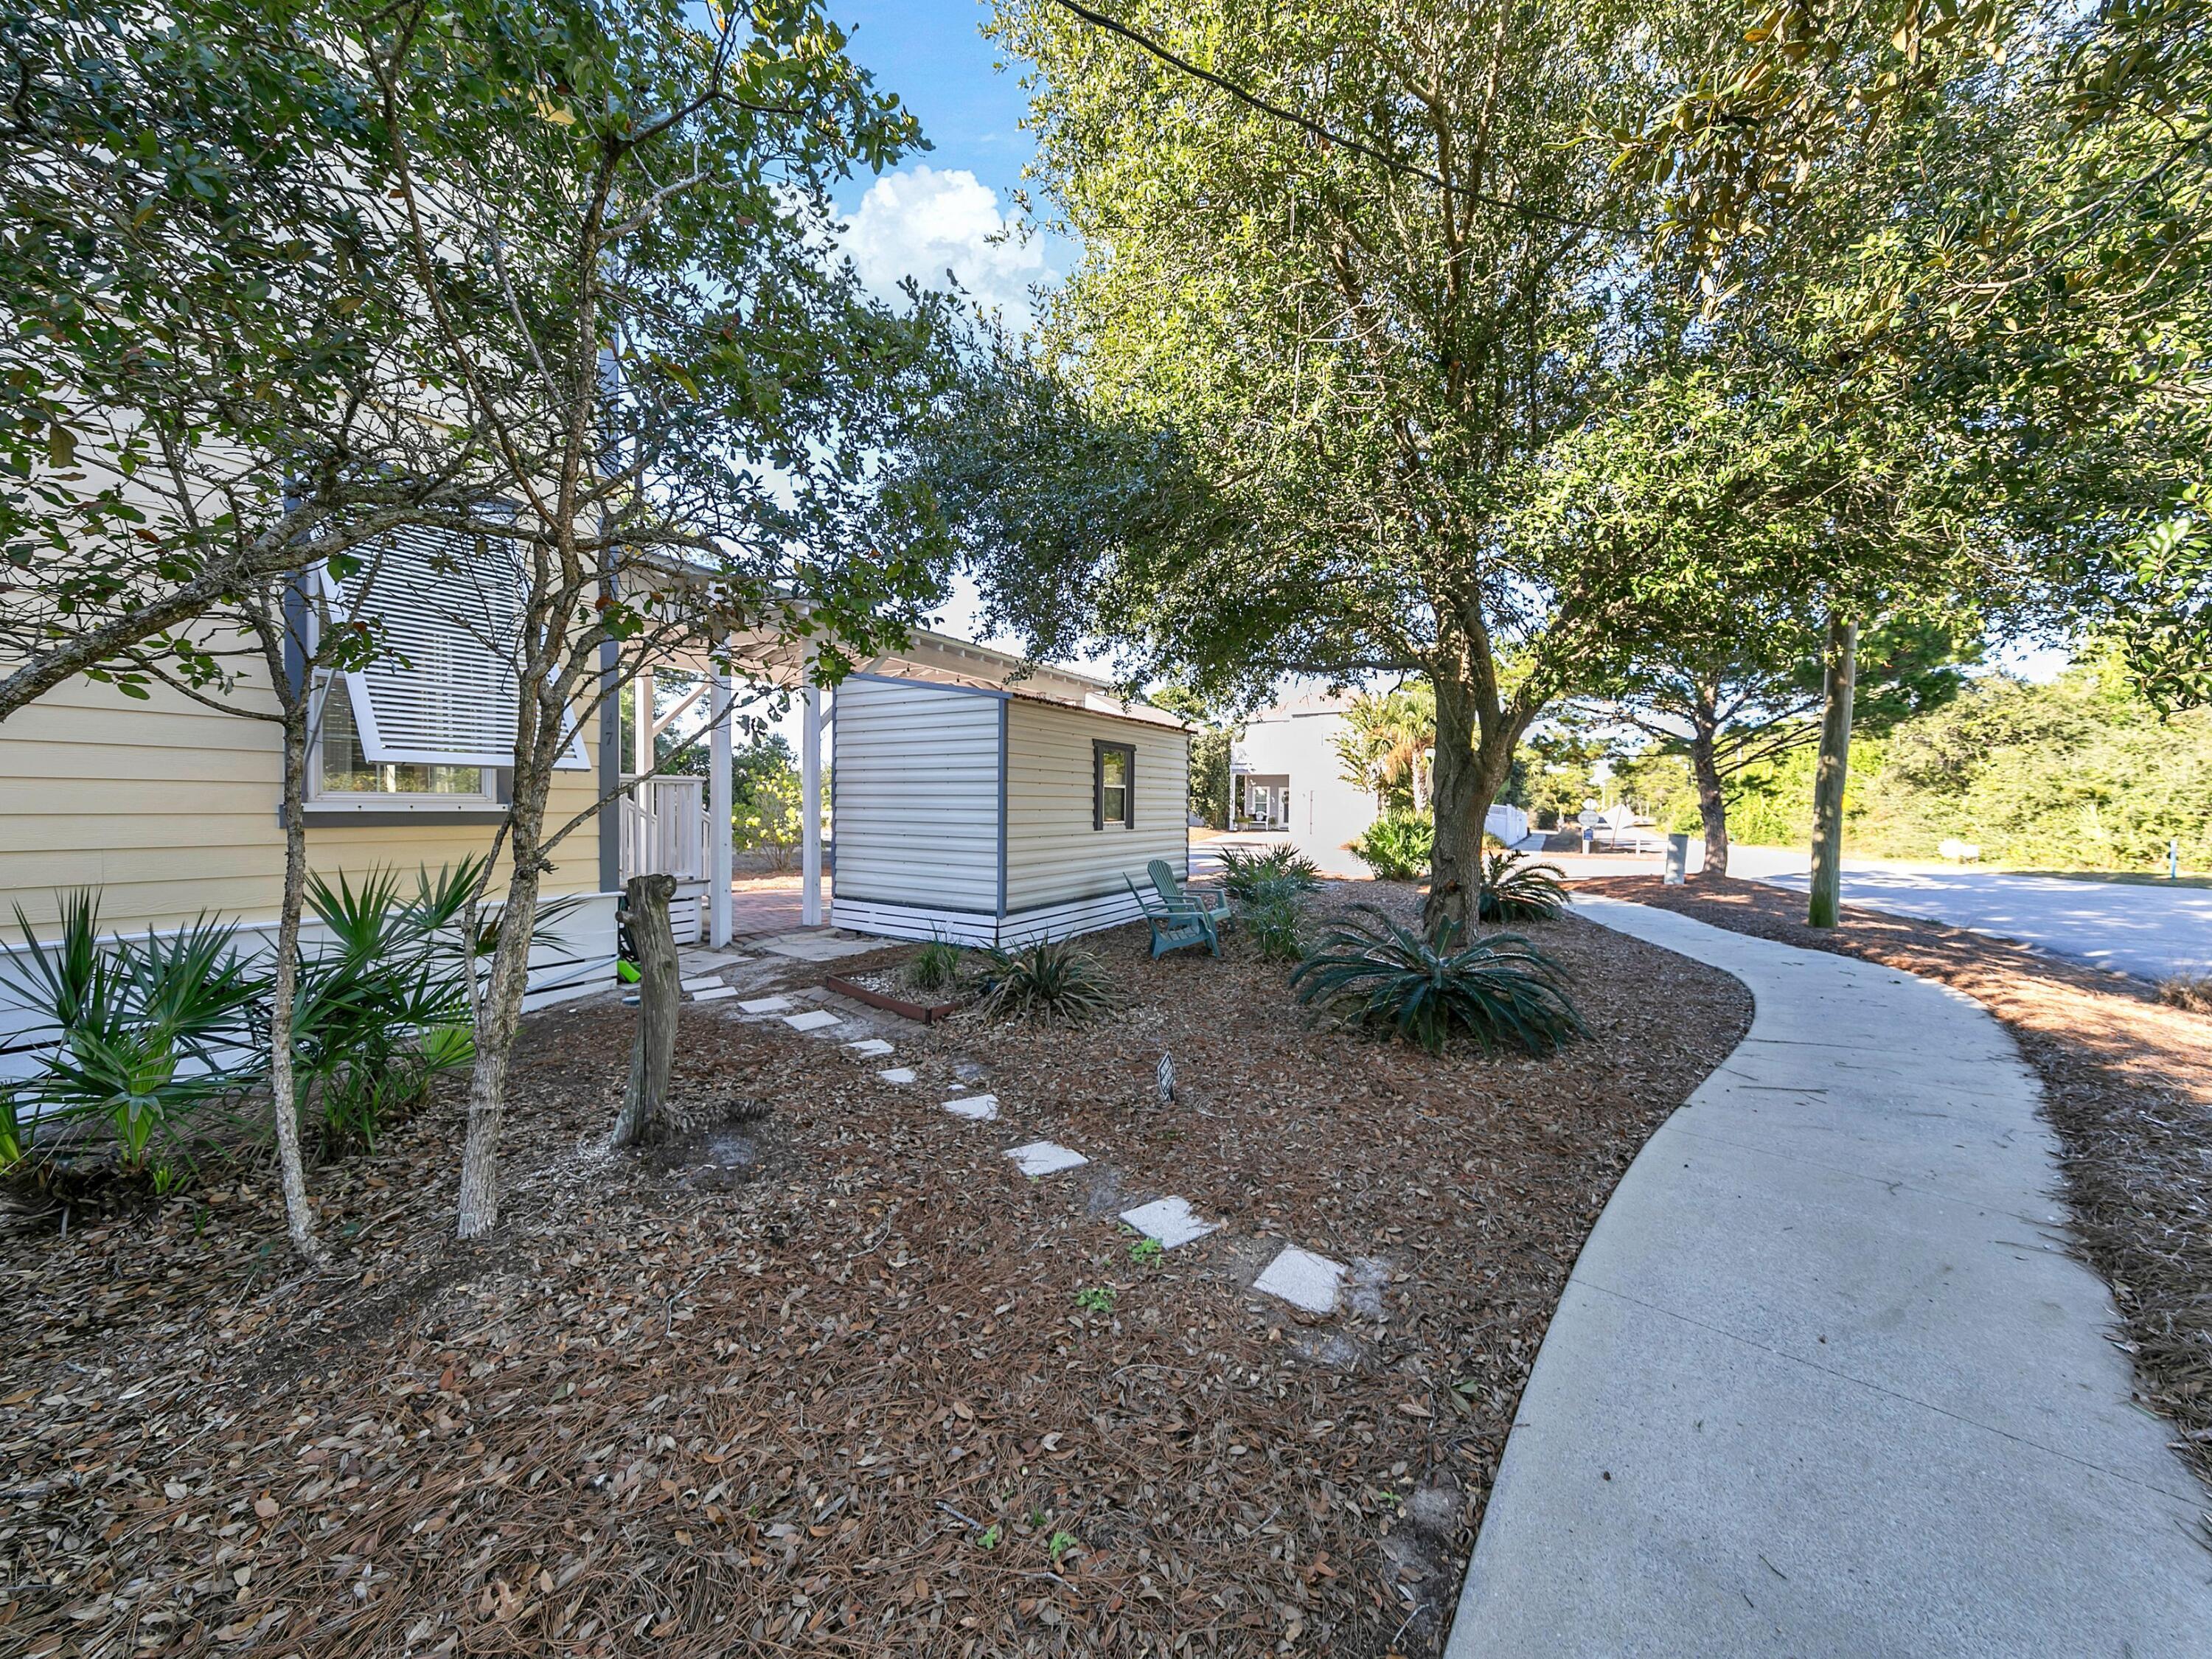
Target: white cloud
x: 921, y: 222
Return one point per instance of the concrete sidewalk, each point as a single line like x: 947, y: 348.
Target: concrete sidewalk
x: 1824, y: 1381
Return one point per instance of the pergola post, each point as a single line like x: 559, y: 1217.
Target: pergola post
x: 810, y: 806
x: 719, y: 803
x: 642, y: 740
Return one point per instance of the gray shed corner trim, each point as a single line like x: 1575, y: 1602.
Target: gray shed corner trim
x: 1006, y: 720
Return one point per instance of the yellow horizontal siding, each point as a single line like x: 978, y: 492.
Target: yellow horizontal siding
x: 1054, y: 854
x: 170, y: 809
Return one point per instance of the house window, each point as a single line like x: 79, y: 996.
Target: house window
x: 343, y: 767
x: 429, y: 719
x: 1113, y: 785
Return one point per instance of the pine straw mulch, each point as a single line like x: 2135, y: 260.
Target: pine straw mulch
x: 2127, y: 1085
x: 813, y: 1375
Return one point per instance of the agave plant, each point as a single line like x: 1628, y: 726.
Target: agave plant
x: 1514, y: 889
x: 144, y: 1034
x: 1255, y: 878
x: 1498, y: 989
x: 1052, y: 980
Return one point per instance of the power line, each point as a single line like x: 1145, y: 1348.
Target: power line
x: 1265, y: 106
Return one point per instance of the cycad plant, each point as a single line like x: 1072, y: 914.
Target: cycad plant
x: 1514, y: 889
x: 142, y: 1033
x: 1255, y: 879
x: 1052, y: 980
x: 1498, y: 989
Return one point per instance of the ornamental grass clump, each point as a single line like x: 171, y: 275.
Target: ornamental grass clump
x: 1498, y: 989
x: 1514, y: 889
x: 1056, y: 981
x: 935, y: 967
x: 1253, y: 878
x: 1273, y: 927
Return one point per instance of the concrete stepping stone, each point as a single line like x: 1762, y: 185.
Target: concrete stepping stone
x: 897, y: 1074
x: 1170, y: 1221
x: 1303, y: 1279
x: 1043, y: 1157
x: 714, y: 994
x: 814, y: 1020
x: 698, y: 962
x: 766, y: 1005
x: 979, y: 1108
x: 870, y: 1048
x: 817, y: 947
x: 702, y: 984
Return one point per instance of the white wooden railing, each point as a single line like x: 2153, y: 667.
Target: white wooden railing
x: 664, y: 828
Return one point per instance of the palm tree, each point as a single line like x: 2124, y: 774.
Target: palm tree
x: 1389, y: 743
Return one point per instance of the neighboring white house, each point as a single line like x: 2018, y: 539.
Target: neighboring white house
x: 1286, y: 776
x: 1000, y: 813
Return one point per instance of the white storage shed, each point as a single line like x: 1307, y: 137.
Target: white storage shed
x: 990, y: 815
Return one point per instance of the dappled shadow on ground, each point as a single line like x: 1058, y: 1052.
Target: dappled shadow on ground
x: 832, y: 1375
x: 2127, y: 1085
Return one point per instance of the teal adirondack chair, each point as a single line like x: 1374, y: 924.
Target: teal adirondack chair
x: 1178, y: 920
x: 1172, y: 894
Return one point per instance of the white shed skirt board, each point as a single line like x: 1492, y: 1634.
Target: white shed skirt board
x: 1824, y: 1380
x: 970, y: 927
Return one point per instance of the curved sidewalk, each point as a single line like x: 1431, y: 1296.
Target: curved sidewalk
x: 1824, y: 1381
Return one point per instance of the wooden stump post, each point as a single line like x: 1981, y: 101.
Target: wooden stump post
x: 653, y: 1055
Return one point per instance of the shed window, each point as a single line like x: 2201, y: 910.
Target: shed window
x: 1114, y: 785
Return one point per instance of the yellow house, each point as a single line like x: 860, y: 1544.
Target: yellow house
x: 170, y: 810
x: 978, y: 796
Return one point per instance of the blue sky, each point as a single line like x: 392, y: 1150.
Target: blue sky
x: 932, y: 54
x: 946, y: 207
x: 942, y: 206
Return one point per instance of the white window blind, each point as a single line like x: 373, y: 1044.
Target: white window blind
x: 447, y: 608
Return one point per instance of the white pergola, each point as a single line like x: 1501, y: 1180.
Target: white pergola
x: 939, y: 658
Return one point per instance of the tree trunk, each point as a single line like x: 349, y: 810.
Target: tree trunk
x: 1838, y: 670
x: 1474, y: 758
x: 1712, y: 804
x: 478, y: 1209
x: 653, y: 1055
x: 283, y: 1084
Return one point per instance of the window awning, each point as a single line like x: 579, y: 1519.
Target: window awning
x: 449, y: 610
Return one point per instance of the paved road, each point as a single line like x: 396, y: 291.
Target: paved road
x: 2145, y: 929
x: 1824, y: 1381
